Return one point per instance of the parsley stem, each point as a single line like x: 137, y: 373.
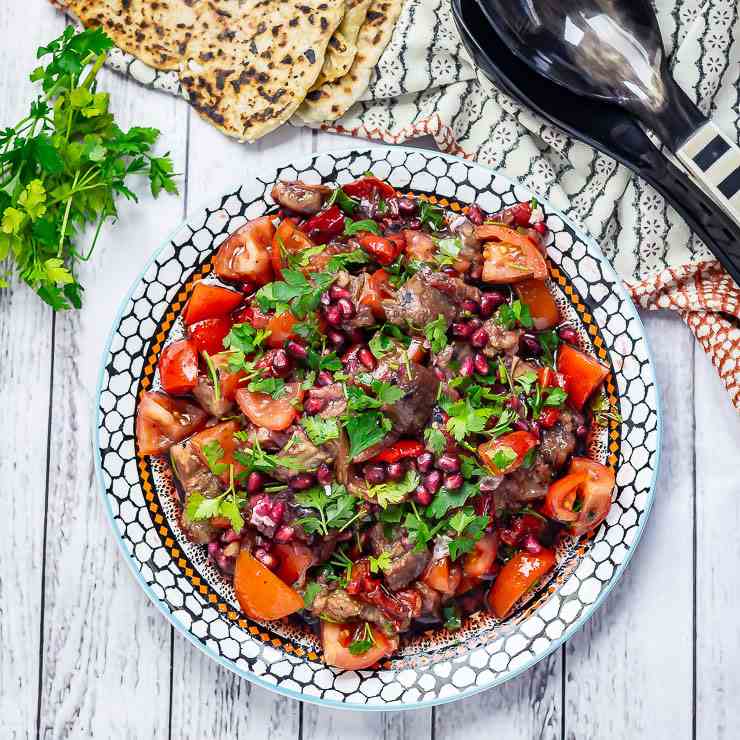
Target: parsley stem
x: 92, y: 74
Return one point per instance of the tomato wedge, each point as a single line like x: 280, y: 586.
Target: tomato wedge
x: 208, y: 335
x: 295, y: 560
x: 442, y: 576
x: 400, y: 450
x: 583, y: 374
x: 511, y: 259
x: 261, y: 594
x: 290, y: 238
x: 516, y: 578
x: 229, y: 382
x: 263, y: 410
x: 419, y: 245
x: 280, y: 327
x: 542, y: 306
x: 162, y: 421
x: 380, y: 248
x: 223, y: 434
x: 583, y: 497
x: 178, y: 367
x: 336, y: 638
x: 506, y: 454
x: 245, y: 255
x: 479, y: 562
x: 376, y: 289
x: 366, y: 187
x: 210, y: 302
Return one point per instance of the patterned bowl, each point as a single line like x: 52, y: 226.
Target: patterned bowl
x: 433, y: 667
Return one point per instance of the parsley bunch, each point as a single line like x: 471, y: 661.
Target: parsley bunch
x: 63, y: 166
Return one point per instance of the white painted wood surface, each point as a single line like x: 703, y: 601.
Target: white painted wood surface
x: 86, y: 655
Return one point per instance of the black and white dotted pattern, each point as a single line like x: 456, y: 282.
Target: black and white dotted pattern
x: 434, y: 667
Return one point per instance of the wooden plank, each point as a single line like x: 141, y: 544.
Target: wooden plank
x: 629, y: 671
x: 208, y: 701
x: 717, y: 441
x: 106, y: 649
x: 26, y: 340
x: 337, y: 724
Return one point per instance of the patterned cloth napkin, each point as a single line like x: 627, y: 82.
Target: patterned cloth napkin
x: 425, y: 84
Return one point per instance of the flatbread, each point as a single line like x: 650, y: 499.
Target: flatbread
x: 251, y: 63
x: 333, y: 99
x: 155, y: 31
x: 342, y: 48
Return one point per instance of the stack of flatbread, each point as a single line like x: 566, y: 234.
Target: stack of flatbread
x: 248, y: 66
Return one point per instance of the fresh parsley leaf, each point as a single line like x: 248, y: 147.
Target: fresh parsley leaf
x: 313, y: 589
x: 421, y: 532
x: 365, y: 430
x: 255, y: 458
x: 346, y: 204
x: 245, y: 338
x: 503, y: 458
x: 380, y: 564
x: 436, y: 333
x: 549, y: 341
x: 274, y: 387
x: 509, y: 315
x: 469, y: 529
x: 320, y: 430
x: 213, y: 452
x: 465, y: 419
x: 435, y: 440
x: 451, y: 616
x: 380, y: 344
x: 446, y: 500
x: 343, y: 259
x: 394, y: 492
x: 526, y: 380
x: 335, y: 510
x: 355, y: 227
x: 554, y: 396
x: 431, y: 216
x: 362, y: 642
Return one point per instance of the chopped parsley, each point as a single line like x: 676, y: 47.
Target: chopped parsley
x: 436, y: 333
x: 335, y: 510
x: 274, y: 387
x: 365, y: 430
x: 320, y: 430
x: 213, y: 453
x: 431, y: 216
x: 228, y: 504
x: 394, y: 492
x: 313, y: 589
x: 355, y: 227
x: 509, y: 315
x: 380, y: 564
x: 363, y: 641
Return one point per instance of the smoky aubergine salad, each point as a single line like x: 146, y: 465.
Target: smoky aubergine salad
x: 378, y: 419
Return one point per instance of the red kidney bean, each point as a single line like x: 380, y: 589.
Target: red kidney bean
x: 531, y: 344
x: 422, y: 496
x: 454, y: 481
x: 336, y: 338
x: 296, y: 349
x: 324, y: 378
x: 425, y: 462
x: 470, y: 305
x: 534, y: 428
x: 284, y: 534
x: 333, y: 315
x: 462, y: 330
x: 314, y: 404
x: 414, y: 224
x: 374, y: 473
x: 433, y: 481
x: 490, y: 302
x: 476, y: 214
x: 301, y: 482
x: 346, y: 308
x: 324, y: 474
x: 367, y: 358
x: 448, y: 463
x: 255, y: 482
x: 336, y: 292
x: 481, y: 364
x: 568, y: 334
x: 395, y: 471
x: 479, y: 338
x: 467, y: 367
x: 281, y: 362
x: 521, y: 425
x: 407, y: 207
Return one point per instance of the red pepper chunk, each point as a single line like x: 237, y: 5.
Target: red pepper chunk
x: 401, y: 450
x: 325, y: 226
x: 382, y: 250
x: 367, y: 187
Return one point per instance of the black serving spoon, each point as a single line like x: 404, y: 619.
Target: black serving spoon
x: 603, y: 126
x: 611, y: 50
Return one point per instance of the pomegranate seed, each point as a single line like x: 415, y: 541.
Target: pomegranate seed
x: 481, y: 364
x: 346, y: 308
x: 422, y: 496
x: 247, y: 287
x: 367, y: 358
x: 255, y: 482
x: 407, y: 207
x: 476, y: 214
x: 280, y: 361
x: 521, y: 425
x: 514, y: 403
x: 324, y: 378
x: 333, y: 315
x: 301, y: 482
x: 314, y: 404
x: 395, y: 471
x: 356, y: 336
x: 467, y: 367
x: 335, y: 292
x: 568, y: 334
x: 490, y: 302
x: 479, y: 338
x: 531, y: 545
x: 285, y: 533
x: 448, y: 463
x: 424, y: 462
x: 454, y: 481
x: 336, y: 338
x: 534, y: 428
x: 374, y: 474
x: 432, y: 481
x: 277, y: 512
x: 324, y: 474
x: 297, y: 350
x: 475, y: 323
x: 462, y: 330
x: 470, y: 305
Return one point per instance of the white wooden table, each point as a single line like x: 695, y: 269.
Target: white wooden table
x: 85, y: 654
